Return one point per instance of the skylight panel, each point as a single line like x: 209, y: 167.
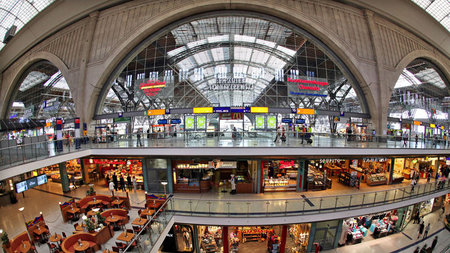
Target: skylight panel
x: 432, y: 77
x: 196, y: 43
x: 438, y: 9
x: 242, y: 53
x: 202, y: 58
x: 286, y: 50
x: 259, y: 56
x: 33, y: 78
x: 275, y: 63
x: 218, y: 54
x: 244, y: 38
x: 221, y: 38
x: 266, y: 43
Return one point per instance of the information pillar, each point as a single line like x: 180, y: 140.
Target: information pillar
x: 64, y: 177
x: 59, y: 135
x: 77, y: 133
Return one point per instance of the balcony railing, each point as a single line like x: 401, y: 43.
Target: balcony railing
x: 302, y: 206
x: 31, y: 149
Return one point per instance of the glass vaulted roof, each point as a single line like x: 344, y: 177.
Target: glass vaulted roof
x: 18, y: 13
x: 438, y: 9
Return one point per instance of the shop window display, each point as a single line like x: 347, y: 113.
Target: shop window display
x: 354, y: 230
x: 255, y: 239
x: 73, y: 171
x: 210, y: 239
x: 299, y: 233
x: 192, y: 177
x: 280, y: 175
x: 317, y: 177
x: 120, y: 168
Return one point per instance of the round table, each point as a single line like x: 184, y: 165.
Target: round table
x: 112, y: 219
x: 91, y: 213
x: 55, y: 238
x: 93, y: 203
x: 24, y: 246
x: 84, y: 246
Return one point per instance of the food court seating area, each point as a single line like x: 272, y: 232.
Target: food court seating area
x: 88, y: 202
x: 72, y: 243
x: 21, y: 243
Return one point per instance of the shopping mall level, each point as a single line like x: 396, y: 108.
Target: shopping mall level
x: 224, y: 126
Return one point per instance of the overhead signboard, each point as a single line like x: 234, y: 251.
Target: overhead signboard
x: 286, y: 120
x: 432, y: 125
x: 122, y: 120
x: 156, y: 112
x: 175, y: 121
x: 259, y: 109
x: 299, y: 121
x: 162, y: 121
x: 240, y: 109
x: 305, y: 86
x: 201, y: 110
x: 417, y: 123
x: 306, y: 111
x: 221, y: 109
x: 154, y: 88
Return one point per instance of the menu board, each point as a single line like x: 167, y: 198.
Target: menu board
x: 259, y: 121
x: 32, y: 182
x: 21, y: 187
x: 201, y: 122
x: 189, y: 123
x: 271, y: 122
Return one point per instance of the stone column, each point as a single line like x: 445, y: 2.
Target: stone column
x: 84, y: 172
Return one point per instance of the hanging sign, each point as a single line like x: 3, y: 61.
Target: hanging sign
x: 199, y: 110
x: 156, y: 112
x: 306, y: 111
x: 259, y: 109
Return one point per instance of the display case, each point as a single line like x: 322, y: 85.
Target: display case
x: 376, y: 179
x: 279, y: 184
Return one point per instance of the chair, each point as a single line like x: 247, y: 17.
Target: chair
x: 69, y: 217
x: 136, y: 229
x: 77, y: 227
x: 115, y: 249
x: 52, y: 247
x: 121, y: 245
x: 130, y: 231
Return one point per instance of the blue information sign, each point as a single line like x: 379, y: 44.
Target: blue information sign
x: 175, y: 121
x: 162, y: 121
x: 221, y: 109
x: 300, y: 121
x: 286, y: 120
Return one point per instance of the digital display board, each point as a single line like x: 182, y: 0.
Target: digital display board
x: 32, y: 182
x: 21, y: 187
x: 201, y: 122
x: 286, y: 120
x: 189, y: 123
x: 240, y: 109
x: 175, y: 121
x: 162, y: 121
x: 271, y: 122
x: 42, y: 179
x: 260, y: 122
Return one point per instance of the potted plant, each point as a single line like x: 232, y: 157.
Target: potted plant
x: 90, y: 226
x: 5, y: 240
x: 90, y: 191
x: 100, y: 219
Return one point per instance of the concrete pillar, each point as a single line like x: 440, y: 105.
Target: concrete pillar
x: 169, y: 186
x: 258, y: 177
x: 84, y: 172
x: 225, y: 239
x: 195, y: 239
x: 338, y: 234
x: 391, y: 170
x: 145, y: 174
x: 301, y: 174
x: 64, y: 177
x: 283, y: 239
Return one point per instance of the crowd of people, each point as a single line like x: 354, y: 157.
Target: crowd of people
x: 116, y: 183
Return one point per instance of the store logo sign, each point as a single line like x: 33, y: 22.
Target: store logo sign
x: 152, y: 87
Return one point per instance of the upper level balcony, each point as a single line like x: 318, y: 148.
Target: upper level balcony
x: 29, y: 149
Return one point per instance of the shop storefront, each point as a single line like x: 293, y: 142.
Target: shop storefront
x: 299, y: 238
x: 210, y: 238
x: 120, y: 167
x: 368, y: 227
x: 279, y: 175
x: 204, y: 176
x: 73, y: 168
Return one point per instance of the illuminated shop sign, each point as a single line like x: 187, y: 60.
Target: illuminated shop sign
x: 326, y: 160
x: 152, y: 87
x: 162, y: 121
x: 156, y: 112
x: 299, y: 121
x: 240, y: 109
x: 306, y: 111
x: 297, y: 80
x: 304, y: 86
x: 259, y: 109
x: 286, y: 120
x: 375, y: 159
x: 202, y: 110
x: 231, y: 83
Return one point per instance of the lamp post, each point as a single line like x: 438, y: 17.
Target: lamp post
x: 25, y: 222
x: 164, y: 183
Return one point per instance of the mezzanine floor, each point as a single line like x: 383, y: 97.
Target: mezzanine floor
x: 45, y: 199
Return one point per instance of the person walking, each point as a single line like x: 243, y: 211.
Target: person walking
x: 413, y: 183
x: 134, y: 184
x: 417, y: 250
x: 416, y: 217
x: 112, y: 187
x: 424, y: 249
x: 433, y: 244
x: 428, y: 176
x: 405, y: 138
x: 129, y: 182
x: 233, y: 184
x: 122, y: 183
x: 421, y: 227
x: 107, y: 179
x: 116, y: 183
x: 138, y: 142
x: 303, y: 133
x: 427, y: 229
x: 277, y: 135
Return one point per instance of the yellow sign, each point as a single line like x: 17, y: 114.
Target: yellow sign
x: 48, y: 124
x: 432, y: 125
x: 306, y: 111
x: 259, y: 109
x: 442, y: 127
x: 417, y: 123
x: 156, y: 112
x: 203, y: 110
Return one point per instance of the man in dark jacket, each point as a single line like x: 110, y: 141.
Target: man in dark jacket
x: 116, y: 185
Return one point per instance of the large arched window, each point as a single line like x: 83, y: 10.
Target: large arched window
x: 421, y: 93
x: 41, y: 93
x: 231, y: 60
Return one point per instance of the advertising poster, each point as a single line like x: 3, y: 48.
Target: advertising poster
x: 259, y: 121
x: 271, y: 122
x: 189, y: 122
x: 201, y: 122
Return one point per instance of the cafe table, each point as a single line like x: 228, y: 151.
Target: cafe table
x: 24, y: 247
x: 55, y: 238
x: 148, y: 212
x: 73, y: 210
x: 154, y: 205
x: 39, y: 231
x: 139, y: 221
x: 126, y: 237
x: 81, y: 246
x: 117, y: 202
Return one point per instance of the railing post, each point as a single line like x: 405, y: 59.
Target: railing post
x: 228, y: 204
x: 209, y: 207
x: 385, y: 196
x: 364, y: 197
x: 267, y: 207
x: 350, y: 204
x: 335, y: 203
x: 190, y: 205
x: 248, y: 208
x: 303, y: 210
x: 285, y: 207
x: 395, y: 194
x: 320, y: 206
x: 375, y: 198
